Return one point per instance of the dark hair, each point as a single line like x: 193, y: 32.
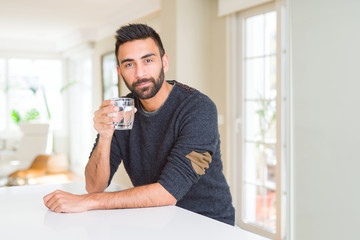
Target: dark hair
x: 132, y: 32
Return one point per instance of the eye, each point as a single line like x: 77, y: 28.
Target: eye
x: 148, y: 60
x: 128, y: 65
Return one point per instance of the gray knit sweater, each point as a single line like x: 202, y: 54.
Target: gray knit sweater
x: 177, y: 146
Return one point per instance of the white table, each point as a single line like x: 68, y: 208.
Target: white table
x: 23, y: 215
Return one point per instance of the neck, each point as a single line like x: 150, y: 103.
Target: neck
x: 154, y: 103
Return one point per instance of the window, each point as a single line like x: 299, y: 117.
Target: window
x: 260, y: 102
x: 30, y: 90
x: 110, y: 82
x: 259, y: 134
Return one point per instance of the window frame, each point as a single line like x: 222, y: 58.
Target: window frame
x: 236, y: 74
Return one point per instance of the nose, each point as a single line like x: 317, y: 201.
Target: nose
x: 140, y: 71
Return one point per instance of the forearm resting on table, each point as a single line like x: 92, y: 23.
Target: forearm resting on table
x: 152, y: 195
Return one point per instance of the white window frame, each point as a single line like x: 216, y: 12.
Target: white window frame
x: 235, y: 78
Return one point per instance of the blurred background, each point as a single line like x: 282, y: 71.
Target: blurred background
x: 283, y: 74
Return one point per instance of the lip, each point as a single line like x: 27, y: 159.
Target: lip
x: 144, y: 84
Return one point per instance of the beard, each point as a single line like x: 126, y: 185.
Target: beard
x: 148, y: 91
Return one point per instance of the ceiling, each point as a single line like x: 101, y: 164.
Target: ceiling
x: 57, y: 25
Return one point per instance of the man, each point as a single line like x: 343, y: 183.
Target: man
x: 172, y: 154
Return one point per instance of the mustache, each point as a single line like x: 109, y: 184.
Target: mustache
x: 143, y: 80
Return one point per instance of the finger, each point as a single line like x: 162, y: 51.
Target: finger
x: 57, y: 208
x: 107, y: 113
x: 116, y: 117
x: 102, y: 114
x: 46, y: 198
x: 52, y: 205
x: 108, y: 102
x: 101, y: 123
x: 104, y: 119
x: 53, y: 197
x: 105, y: 124
x: 49, y: 196
x: 57, y: 202
x: 106, y: 110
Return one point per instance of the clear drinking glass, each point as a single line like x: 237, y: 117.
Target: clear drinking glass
x: 125, y: 116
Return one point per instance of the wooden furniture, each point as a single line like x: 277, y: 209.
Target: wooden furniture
x: 44, y: 169
x: 36, y: 139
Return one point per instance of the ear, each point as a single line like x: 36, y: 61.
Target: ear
x: 165, y: 60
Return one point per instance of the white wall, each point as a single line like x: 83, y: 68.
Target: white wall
x: 185, y: 34
x: 326, y: 119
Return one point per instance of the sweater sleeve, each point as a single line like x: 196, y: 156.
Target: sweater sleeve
x: 195, y: 145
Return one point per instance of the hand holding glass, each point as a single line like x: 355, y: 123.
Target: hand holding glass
x: 125, y: 116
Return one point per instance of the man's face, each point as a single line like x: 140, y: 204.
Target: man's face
x: 141, y: 67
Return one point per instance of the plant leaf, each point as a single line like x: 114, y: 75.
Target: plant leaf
x: 32, y: 114
x: 68, y: 85
x: 15, y: 116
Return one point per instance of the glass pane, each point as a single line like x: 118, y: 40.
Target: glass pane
x: 254, y: 32
x: 22, y: 96
x: 260, y: 120
x: 49, y: 73
x: 254, y: 163
x: 252, y: 129
x: 34, y: 89
x: 260, y: 133
x: 270, y: 210
x: 260, y: 163
x: 269, y: 153
x: 21, y: 74
x: 270, y: 33
x: 267, y: 115
x: 110, y: 76
x: 250, y: 203
x: 254, y: 78
x: 270, y: 77
x: 259, y: 206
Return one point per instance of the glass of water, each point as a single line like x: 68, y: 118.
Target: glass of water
x: 125, y: 116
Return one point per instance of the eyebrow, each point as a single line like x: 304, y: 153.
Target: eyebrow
x: 143, y: 57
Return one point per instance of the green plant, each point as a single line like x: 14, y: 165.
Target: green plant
x: 15, y: 116
x: 34, y: 91
x: 267, y: 123
x: 30, y: 115
x: 267, y: 117
x: 34, y: 114
x: 68, y: 85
